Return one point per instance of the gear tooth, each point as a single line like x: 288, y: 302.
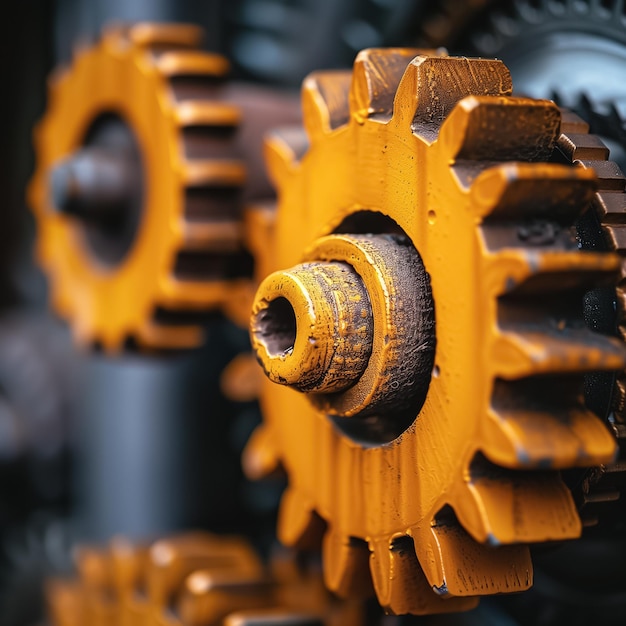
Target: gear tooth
x: 558, y: 439
x: 260, y: 457
x: 523, y: 274
x: 181, y: 292
x: 94, y: 567
x: 375, y: 78
x: 610, y: 176
x: 212, y: 173
x: 572, y: 123
x: 127, y: 560
x: 345, y: 561
x: 521, y: 191
x: 616, y: 236
x: 611, y: 208
x: 522, y: 352
x: 283, y: 149
x: 456, y: 565
x: 582, y: 146
x: 400, y: 584
x: 208, y: 594
x: 158, y: 34
x: 499, y: 506
x: 451, y: 79
x: 488, y: 128
x: 325, y: 101
x: 66, y: 602
x: 191, y: 63
x: 206, y: 113
x: 223, y: 236
x: 153, y: 336
x: 298, y: 525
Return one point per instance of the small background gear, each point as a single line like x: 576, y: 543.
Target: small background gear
x: 137, y: 190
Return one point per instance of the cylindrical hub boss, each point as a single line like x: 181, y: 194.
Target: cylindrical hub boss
x: 353, y: 326
x: 312, y: 326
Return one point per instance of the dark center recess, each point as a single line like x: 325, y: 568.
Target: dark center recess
x: 276, y: 327
x: 402, y: 411
x: 102, y: 186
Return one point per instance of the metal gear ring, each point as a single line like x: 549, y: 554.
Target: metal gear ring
x: 136, y: 192
x: 436, y: 500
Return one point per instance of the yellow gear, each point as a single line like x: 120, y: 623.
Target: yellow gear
x: 192, y: 580
x: 187, y: 241
x: 441, y: 506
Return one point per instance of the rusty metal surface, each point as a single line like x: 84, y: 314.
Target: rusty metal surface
x: 441, y: 512
x: 185, y: 257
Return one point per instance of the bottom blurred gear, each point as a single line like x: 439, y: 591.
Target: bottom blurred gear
x: 192, y: 580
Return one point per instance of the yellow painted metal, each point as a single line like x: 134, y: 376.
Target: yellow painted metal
x: 312, y: 326
x: 195, y: 579
x: 436, y: 148
x: 130, y: 73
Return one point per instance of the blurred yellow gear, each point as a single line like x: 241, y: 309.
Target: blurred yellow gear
x: 434, y: 461
x: 193, y: 579
x: 153, y: 240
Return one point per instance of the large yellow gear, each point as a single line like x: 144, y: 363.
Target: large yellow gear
x: 433, y: 480
x: 184, y: 252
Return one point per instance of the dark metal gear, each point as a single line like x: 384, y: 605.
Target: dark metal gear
x: 601, y: 228
x: 571, y: 51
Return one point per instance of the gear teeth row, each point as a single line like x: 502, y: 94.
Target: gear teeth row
x: 210, y: 234
x: 603, y: 483
x: 445, y: 152
x: 531, y: 259
x: 506, y: 24
x: 504, y: 507
x: 191, y: 167
x: 195, y: 578
x: 401, y: 585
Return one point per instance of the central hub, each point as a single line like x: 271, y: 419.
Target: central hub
x: 101, y: 187
x: 353, y: 327
x: 312, y: 326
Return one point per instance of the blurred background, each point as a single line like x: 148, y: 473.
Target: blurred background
x: 92, y: 446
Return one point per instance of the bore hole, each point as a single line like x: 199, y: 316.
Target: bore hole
x: 276, y: 327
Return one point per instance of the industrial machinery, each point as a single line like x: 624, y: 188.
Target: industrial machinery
x: 434, y: 298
